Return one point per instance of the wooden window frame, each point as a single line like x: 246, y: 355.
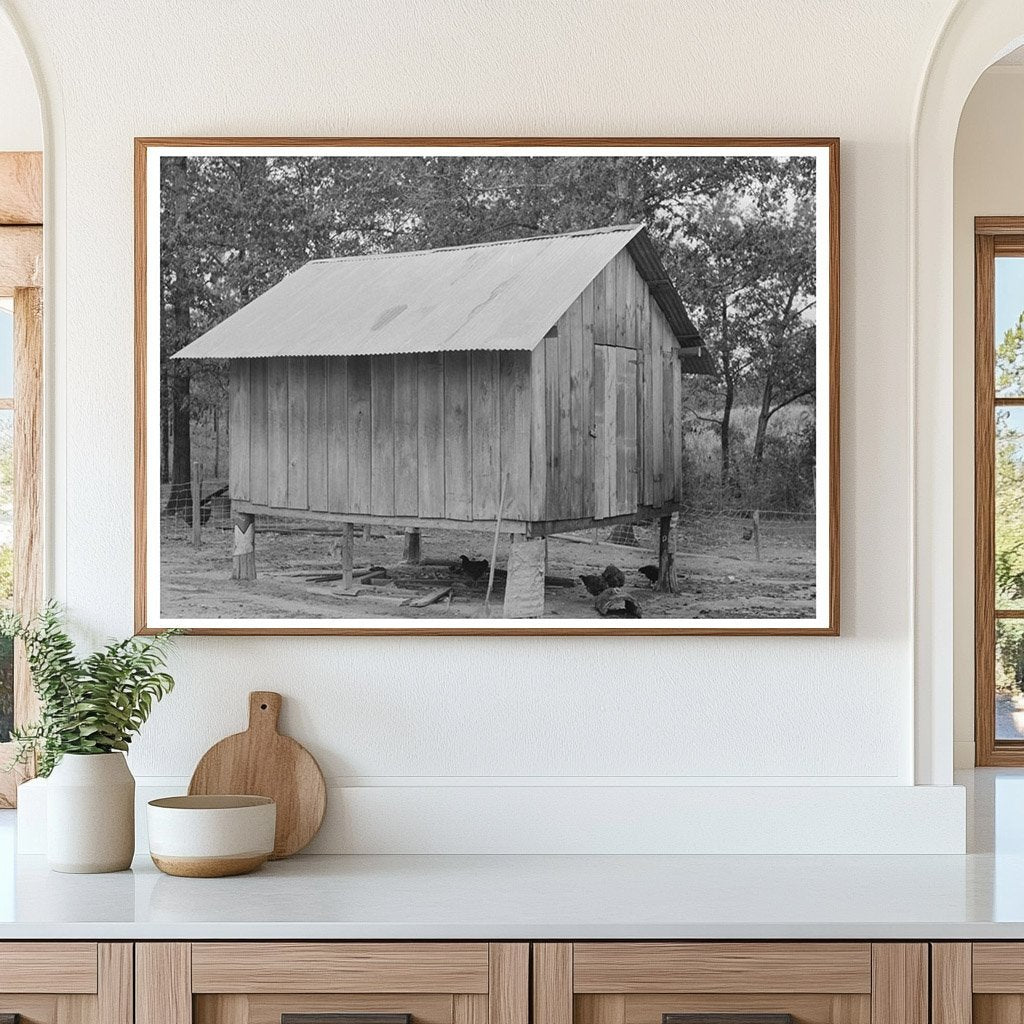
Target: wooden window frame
x: 21, y: 272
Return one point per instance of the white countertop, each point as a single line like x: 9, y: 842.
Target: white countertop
x: 516, y: 897
x: 977, y: 896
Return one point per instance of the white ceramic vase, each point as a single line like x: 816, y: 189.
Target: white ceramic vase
x: 90, y: 814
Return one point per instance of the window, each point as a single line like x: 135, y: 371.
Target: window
x: 999, y: 491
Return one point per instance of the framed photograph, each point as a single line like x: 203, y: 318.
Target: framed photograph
x: 470, y: 385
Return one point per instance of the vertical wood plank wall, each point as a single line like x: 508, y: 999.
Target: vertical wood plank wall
x: 623, y: 448
x: 586, y: 426
x: 430, y: 435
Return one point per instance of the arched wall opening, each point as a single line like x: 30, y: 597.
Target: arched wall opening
x: 976, y: 34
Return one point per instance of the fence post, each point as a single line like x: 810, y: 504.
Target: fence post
x: 757, y: 534
x: 197, y: 500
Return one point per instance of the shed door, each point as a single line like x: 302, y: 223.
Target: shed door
x: 616, y: 455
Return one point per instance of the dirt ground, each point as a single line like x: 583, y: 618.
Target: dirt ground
x: 719, y: 578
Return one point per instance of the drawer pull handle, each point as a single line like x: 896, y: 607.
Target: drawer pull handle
x: 727, y: 1018
x: 340, y: 1018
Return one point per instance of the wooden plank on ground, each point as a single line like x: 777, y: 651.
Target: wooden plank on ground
x: 337, y: 434
x: 258, y: 445
x: 298, y: 431
x: 21, y: 259
x: 21, y: 188
x: 382, y: 435
x: 430, y: 597
x: 458, y: 464
x: 538, y: 433
x: 406, y: 440
x: 359, y: 434
x: 574, y: 325
x: 517, y: 404
x: 316, y: 385
x: 485, y: 432
x: 277, y: 432
x: 239, y: 413
x: 430, y: 435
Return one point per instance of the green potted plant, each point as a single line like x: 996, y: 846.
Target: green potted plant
x: 90, y: 708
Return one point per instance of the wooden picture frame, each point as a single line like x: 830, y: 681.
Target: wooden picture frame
x: 682, y: 343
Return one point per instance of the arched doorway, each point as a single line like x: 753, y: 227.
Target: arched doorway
x: 976, y: 34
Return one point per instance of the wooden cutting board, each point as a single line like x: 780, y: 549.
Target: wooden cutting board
x: 262, y: 762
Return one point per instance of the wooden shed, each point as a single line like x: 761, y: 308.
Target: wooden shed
x: 408, y: 388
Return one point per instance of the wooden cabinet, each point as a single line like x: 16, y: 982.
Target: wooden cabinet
x: 978, y: 983
x: 66, y: 982
x: 262, y: 982
x: 759, y: 982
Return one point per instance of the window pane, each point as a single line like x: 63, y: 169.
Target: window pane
x: 6, y: 353
x: 1009, y: 679
x: 6, y: 563
x: 1009, y: 325
x: 1009, y: 481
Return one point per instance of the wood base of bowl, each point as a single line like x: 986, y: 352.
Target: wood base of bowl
x: 209, y: 867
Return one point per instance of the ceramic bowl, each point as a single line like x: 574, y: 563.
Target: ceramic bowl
x: 211, y: 836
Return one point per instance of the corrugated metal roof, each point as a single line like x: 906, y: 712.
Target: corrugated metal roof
x: 490, y: 296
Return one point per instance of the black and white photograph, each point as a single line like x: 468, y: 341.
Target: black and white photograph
x: 460, y: 386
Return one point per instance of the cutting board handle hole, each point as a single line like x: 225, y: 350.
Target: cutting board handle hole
x: 263, y: 707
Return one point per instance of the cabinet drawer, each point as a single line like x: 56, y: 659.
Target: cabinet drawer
x: 635, y: 967
x: 66, y: 982
x: 64, y: 967
x: 730, y: 983
x: 340, y: 967
x: 332, y: 983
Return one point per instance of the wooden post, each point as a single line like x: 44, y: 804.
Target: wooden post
x: 524, y: 584
x: 366, y: 531
x: 667, y: 583
x: 347, y: 533
x: 412, y: 554
x: 243, y: 562
x: 757, y: 535
x: 197, y: 502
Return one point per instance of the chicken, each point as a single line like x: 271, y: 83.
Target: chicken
x: 595, y: 584
x: 474, y: 569
x: 651, y: 572
x: 614, y: 576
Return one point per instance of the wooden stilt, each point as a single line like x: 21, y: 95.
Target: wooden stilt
x: 524, y: 585
x: 243, y: 562
x: 366, y: 531
x: 667, y: 582
x: 347, y: 545
x: 412, y: 554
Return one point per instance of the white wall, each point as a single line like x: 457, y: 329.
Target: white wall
x: 424, y: 715
x: 21, y: 127
x: 987, y: 181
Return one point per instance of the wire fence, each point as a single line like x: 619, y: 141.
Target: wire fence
x: 756, y: 534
